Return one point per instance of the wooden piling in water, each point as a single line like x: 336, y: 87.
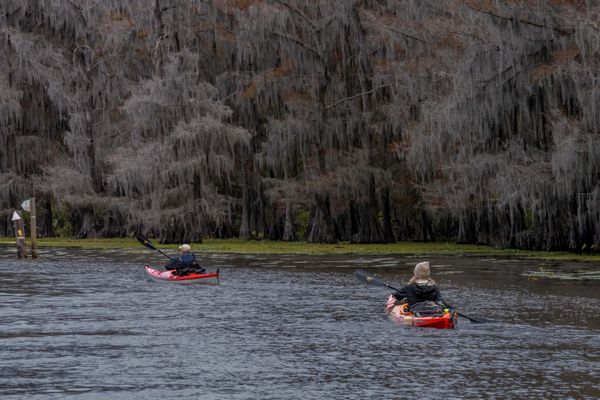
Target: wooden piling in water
x: 19, y: 234
x: 33, y: 230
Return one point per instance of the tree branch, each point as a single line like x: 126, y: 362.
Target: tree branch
x: 165, y: 9
x: 355, y: 96
x: 394, y: 30
x: 301, y: 44
x: 523, y: 21
x: 160, y: 38
x: 296, y: 11
x: 504, y: 72
x: 79, y: 10
x: 593, y: 26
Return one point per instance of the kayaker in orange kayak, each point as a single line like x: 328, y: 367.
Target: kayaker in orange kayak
x: 421, y: 293
x: 185, y: 263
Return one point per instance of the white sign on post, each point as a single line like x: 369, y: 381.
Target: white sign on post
x: 26, y: 205
x: 16, y: 216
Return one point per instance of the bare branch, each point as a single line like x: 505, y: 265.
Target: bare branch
x: 523, y: 21
x: 355, y: 96
x: 158, y: 41
x: 309, y: 21
x: 301, y: 44
x: 394, y: 30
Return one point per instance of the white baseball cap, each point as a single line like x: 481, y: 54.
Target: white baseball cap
x: 185, y: 247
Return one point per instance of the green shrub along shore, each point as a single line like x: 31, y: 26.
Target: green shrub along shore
x: 273, y: 247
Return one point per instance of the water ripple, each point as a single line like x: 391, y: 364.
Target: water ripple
x: 288, y: 327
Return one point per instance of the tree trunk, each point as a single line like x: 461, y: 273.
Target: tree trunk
x: 248, y: 225
x: 322, y: 225
x: 246, y: 206
x: 370, y: 229
x: 170, y: 231
x: 388, y: 231
x: 83, y: 223
x: 159, y: 26
x: 6, y: 224
x: 45, y: 217
x: 289, y: 234
x: 426, y: 231
x: 347, y: 223
x: 113, y: 224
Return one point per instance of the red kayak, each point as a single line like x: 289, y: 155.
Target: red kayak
x: 168, y: 276
x: 401, y: 314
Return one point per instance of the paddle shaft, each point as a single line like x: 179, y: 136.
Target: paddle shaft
x: 476, y: 320
x: 144, y: 241
x: 466, y: 316
x: 391, y: 287
x: 164, y: 254
x: 369, y: 279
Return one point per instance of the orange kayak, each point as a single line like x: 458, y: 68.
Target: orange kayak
x: 168, y: 276
x: 400, y: 313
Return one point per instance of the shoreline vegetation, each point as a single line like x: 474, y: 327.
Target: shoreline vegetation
x: 277, y: 247
x: 309, y: 121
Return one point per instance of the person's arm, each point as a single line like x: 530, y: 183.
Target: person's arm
x: 173, y: 264
x: 195, y: 262
x: 400, y: 294
x: 440, y: 300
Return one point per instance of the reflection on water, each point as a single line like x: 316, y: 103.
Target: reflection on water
x: 91, y: 325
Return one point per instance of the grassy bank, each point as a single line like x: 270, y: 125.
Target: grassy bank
x: 270, y: 247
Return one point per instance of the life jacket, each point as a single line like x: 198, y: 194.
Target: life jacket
x: 188, y: 265
x: 188, y: 258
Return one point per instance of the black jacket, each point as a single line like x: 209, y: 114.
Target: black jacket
x: 414, y: 293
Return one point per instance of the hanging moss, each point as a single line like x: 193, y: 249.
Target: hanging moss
x: 409, y: 120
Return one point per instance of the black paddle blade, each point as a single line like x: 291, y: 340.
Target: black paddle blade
x: 370, y: 279
x: 477, y: 320
x: 365, y: 277
x: 144, y: 241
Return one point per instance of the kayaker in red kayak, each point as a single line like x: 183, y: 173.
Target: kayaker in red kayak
x: 185, y: 263
x: 421, y: 293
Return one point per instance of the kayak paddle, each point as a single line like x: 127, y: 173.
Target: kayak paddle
x: 476, y: 320
x: 146, y: 242
x: 369, y: 279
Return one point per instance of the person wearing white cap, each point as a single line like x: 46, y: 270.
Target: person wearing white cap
x: 185, y: 263
x: 421, y: 291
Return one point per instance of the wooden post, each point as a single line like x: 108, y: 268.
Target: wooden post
x: 33, y: 230
x: 19, y: 234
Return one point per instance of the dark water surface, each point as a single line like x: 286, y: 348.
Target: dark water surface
x: 290, y: 327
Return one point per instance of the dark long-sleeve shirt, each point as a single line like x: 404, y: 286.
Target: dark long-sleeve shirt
x: 414, y: 293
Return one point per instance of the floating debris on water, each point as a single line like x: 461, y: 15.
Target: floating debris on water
x: 579, y: 275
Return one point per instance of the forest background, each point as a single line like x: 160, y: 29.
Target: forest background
x: 367, y: 121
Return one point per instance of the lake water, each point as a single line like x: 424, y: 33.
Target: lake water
x: 91, y: 325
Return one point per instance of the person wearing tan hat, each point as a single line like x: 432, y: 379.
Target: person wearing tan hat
x: 185, y: 263
x: 421, y: 288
